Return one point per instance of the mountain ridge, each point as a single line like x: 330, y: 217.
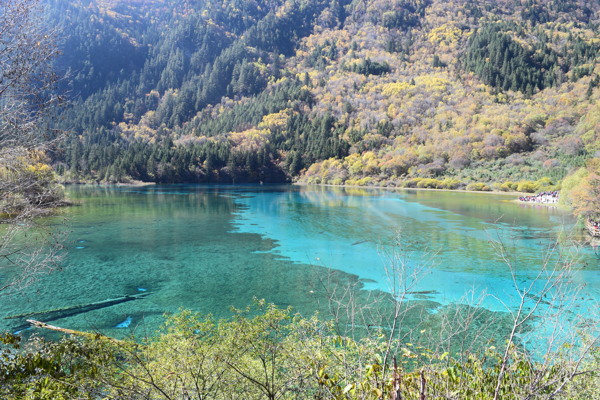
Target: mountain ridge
x: 356, y: 92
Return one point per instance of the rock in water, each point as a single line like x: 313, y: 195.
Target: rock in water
x: 125, y: 324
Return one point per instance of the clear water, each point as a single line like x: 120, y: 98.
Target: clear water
x: 208, y: 248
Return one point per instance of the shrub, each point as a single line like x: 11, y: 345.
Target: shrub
x: 507, y: 186
x: 367, y: 180
x: 478, y: 187
x: 544, y: 182
x: 450, y: 183
x: 514, y: 159
x: 412, y: 183
x: 527, y: 186
x: 428, y: 183
x: 551, y: 163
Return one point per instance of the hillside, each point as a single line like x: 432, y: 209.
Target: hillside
x: 422, y: 93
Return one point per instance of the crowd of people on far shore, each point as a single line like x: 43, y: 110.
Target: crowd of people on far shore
x: 542, y: 197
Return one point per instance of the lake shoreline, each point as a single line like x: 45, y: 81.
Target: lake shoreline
x: 416, y: 189
x: 100, y: 184
x: 142, y: 183
x: 514, y: 194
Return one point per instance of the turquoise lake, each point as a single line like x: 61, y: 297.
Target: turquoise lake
x: 208, y: 248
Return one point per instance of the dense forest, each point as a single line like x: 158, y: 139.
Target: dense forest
x: 424, y: 93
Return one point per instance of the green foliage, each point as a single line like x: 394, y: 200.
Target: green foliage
x: 502, y: 62
x: 542, y: 184
x: 478, y: 187
x: 450, y: 183
x: 430, y: 183
x: 33, y: 187
x: 570, y: 183
x: 261, y: 352
x: 366, y: 181
x: 587, y: 388
x: 40, y: 370
x: 265, y: 352
x: 369, y: 67
x: 527, y: 187
x: 581, y: 190
x: 508, y: 186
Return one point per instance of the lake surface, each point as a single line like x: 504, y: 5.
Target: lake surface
x: 208, y: 248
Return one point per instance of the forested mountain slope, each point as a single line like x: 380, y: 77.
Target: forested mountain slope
x: 403, y: 92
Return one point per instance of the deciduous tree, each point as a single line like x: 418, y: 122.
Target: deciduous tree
x: 27, y: 186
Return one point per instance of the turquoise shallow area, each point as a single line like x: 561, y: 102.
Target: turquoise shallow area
x: 456, y: 235
x: 211, y: 247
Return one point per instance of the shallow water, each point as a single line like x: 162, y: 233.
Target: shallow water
x: 208, y: 248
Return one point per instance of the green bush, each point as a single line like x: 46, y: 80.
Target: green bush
x: 527, y: 187
x: 450, y: 183
x: 544, y: 183
x: 412, y: 183
x: 478, y: 187
x: 366, y: 181
x: 507, y: 186
x: 429, y: 183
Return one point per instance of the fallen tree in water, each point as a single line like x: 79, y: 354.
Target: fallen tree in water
x: 59, y: 313
x: 94, y: 336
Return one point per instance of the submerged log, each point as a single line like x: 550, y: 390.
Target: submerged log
x: 423, y: 292
x: 51, y: 315
x: 538, y: 299
x: 43, y: 325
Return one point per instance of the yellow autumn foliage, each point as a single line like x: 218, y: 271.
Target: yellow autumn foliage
x: 396, y: 88
x: 250, y: 139
x: 446, y: 34
x: 435, y: 82
x: 275, y: 120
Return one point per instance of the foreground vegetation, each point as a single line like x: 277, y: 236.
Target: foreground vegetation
x: 265, y: 352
